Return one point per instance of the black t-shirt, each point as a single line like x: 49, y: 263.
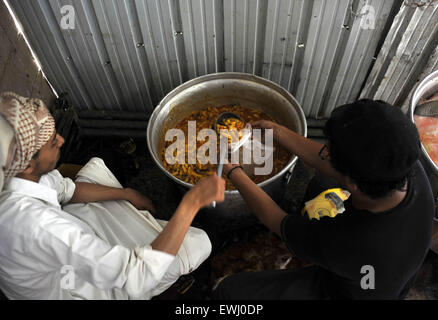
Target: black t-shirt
x: 394, y: 243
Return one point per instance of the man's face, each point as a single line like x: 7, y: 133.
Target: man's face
x: 49, y: 155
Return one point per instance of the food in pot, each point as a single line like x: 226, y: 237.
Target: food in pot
x: 205, y: 119
x: 234, y: 129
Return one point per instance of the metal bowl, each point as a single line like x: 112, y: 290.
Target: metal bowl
x: 224, y: 89
x: 425, y: 89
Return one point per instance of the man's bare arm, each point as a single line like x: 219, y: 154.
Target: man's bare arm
x: 170, y: 239
x: 89, y: 192
x: 304, y: 148
x: 205, y: 192
x: 266, y: 210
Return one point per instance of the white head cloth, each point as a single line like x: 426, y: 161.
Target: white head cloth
x: 32, y: 126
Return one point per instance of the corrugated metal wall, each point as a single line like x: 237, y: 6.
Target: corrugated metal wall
x: 408, y: 55
x: 18, y: 72
x: 128, y: 54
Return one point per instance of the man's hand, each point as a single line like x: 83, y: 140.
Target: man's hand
x: 140, y: 201
x: 265, y: 124
x: 206, y: 191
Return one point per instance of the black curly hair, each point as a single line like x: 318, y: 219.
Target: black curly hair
x: 374, y: 144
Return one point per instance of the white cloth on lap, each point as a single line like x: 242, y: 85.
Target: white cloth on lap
x: 120, y: 223
x: 39, y: 239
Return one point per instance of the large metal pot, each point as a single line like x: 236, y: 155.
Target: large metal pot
x: 223, y: 89
x: 425, y: 89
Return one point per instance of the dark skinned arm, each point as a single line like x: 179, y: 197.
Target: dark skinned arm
x: 89, y: 192
x: 203, y: 194
x: 304, y: 148
x: 266, y: 210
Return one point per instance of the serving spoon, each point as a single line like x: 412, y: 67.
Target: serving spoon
x: 220, y: 120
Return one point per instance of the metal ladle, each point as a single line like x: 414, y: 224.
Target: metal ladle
x: 219, y: 120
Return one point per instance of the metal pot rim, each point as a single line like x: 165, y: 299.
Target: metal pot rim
x: 213, y: 77
x: 413, y: 104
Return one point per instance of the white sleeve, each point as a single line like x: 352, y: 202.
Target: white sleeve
x: 65, y: 187
x: 59, y: 242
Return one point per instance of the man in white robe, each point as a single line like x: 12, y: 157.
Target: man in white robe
x: 88, y: 239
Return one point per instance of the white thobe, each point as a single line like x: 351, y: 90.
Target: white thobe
x: 84, y: 251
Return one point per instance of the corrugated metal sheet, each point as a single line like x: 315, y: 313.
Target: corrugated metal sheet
x: 409, y: 54
x: 128, y: 54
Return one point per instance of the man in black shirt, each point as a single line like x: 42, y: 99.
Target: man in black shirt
x: 374, y: 249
